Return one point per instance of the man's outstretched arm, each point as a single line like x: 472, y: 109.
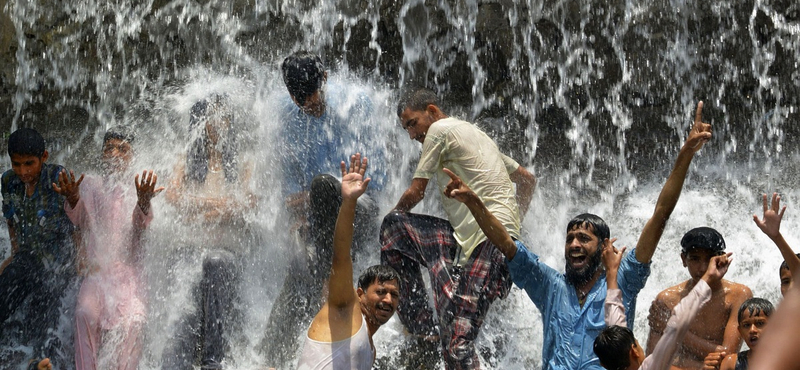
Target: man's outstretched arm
x: 340, y: 290
x: 526, y: 184
x: 413, y: 195
x: 490, y: 225
x: 651, y: 234
x: 771, y: 226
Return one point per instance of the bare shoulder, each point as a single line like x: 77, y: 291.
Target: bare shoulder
x: 672, y: 295
x: 737, y: 290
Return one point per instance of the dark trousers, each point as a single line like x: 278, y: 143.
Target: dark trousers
x: 203, y: 334
x: 301, y: 295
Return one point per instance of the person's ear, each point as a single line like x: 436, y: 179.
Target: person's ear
x: 683, y: 259
x: 360, y: 292
x: 45, y: 155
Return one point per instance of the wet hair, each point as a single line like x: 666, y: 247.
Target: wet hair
x: 704, y: 238
x: 123, y: 133
x: 197, y: 158
x: 784, y: 266
x: 381, y: 273
x: 26, y: 141
x: 417, y: 100
x: 612, y: 347
x: 303, y: 75
x: 598, y: 226
x: 755, y: 307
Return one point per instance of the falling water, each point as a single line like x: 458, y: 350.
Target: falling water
x: 595, y: 97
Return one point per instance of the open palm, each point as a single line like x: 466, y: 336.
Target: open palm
x: 353, y: 182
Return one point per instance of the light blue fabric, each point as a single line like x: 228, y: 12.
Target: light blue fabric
x: 315, y: 145
x: 569, y: 329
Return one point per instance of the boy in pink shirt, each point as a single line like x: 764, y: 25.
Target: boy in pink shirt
x: 111, y: 304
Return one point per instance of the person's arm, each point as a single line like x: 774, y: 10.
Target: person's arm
x: 657, y: 320
x: 341, y: 294
x: 771, y: 226
x: 668, y: 198
x: 69, y: 187
x: 780, y: 335
x: 715, y: 359
x: 413, y: 195
x: 526, y: 184
x: 686, y: 310
x: 614, y: 308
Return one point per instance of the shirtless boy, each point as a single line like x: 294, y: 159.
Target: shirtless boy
x: 716, y: 324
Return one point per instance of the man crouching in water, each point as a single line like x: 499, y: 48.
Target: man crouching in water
x: 340, y: 336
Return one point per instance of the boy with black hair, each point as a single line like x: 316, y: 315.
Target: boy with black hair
x: 753, y: 317
x: 618, y: 349
x: 41, y: 262
x: 716, y: 325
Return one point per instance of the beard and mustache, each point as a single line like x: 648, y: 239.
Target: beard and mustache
x: 581, y: 276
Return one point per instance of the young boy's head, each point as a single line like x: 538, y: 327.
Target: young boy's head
x: 618, y: 349
x: 117, y: 151
x: 26, y: 149
x: 786, y: 277
x: 698, y: 246
x: 753, y: 315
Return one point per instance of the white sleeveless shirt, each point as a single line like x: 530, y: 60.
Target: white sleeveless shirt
x: 354, y: 353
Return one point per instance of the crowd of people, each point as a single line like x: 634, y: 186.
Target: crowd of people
x: 65, y: 228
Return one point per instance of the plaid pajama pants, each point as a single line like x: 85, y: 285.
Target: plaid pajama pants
x: 462, y: 294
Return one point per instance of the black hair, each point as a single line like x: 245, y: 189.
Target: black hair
x: 123, y: 133
x: 756, y: 306
x: 381, y: 273
x: 612, y: 347
x: 26, y: 141
x: 303, y: 75
x: 197, y: 158
x: 417, y: 100
x: 705, y: 238
x: 599, y: 226
x: 784, y: 266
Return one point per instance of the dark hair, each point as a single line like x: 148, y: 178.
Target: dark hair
x: 123, y: 133
x: 381, y: 273
x: 784, y: 266
x: 197, y: 158
x: 417, y: 100
x: 598, y: 225
x: 756, y: 306
x: 303, y: 74
x: 612, y: 347
x: 705, y: 238
x: 26, y: 141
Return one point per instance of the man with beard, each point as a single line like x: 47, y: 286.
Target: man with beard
x: 572, y: 303
x: 340, y: 336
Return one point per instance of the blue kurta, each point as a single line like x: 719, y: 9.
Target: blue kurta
x: 569, y: 329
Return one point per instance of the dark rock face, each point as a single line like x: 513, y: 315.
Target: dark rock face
x: 528, y: 72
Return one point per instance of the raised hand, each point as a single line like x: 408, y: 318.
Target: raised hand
x: 456, y: 188
x: 717, y: 268
x: 353, y: 182
x: 701, y: 131
x: 611, y: 255
x: 69, y: 187
x: 771, y: 224
x: 146, y: 189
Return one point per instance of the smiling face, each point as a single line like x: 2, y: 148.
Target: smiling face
x: 582, y: 252
x: 696, y: 261
x: 28, y: 167
x: 750, y: 327
x: 417, y: 122
x: 379, y: 301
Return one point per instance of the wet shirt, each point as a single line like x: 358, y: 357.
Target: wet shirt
x: 41, y: 225
x: 354, y: 353
x: 569, y: 329
x: 472, y: 155
x: 316, y: 145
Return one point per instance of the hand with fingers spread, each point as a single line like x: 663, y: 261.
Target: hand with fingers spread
x: 771, y: 223
x: 457, y: 189
x: 701, y: 131
x: 353, y: 182
x: 146, y: 189
x: 69, y: 187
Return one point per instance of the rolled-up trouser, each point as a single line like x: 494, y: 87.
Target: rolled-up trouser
x: 301, y: 295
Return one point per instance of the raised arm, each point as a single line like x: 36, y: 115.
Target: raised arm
x: 341, y: 294
x: 614, y: 308
x: 526, y: 184
x: 413, y: 195
x: 771, y: 226
x: 490, y: 225
x: 651, y: 234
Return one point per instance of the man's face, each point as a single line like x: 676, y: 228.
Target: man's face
x: 750, y: 327
x: 786, y: 281
x: 582, y: 252
x: 416, y: 122
x: 117, y: 155
x: 380, y: 301
x: 28, y: 167
x: 696, y: 261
